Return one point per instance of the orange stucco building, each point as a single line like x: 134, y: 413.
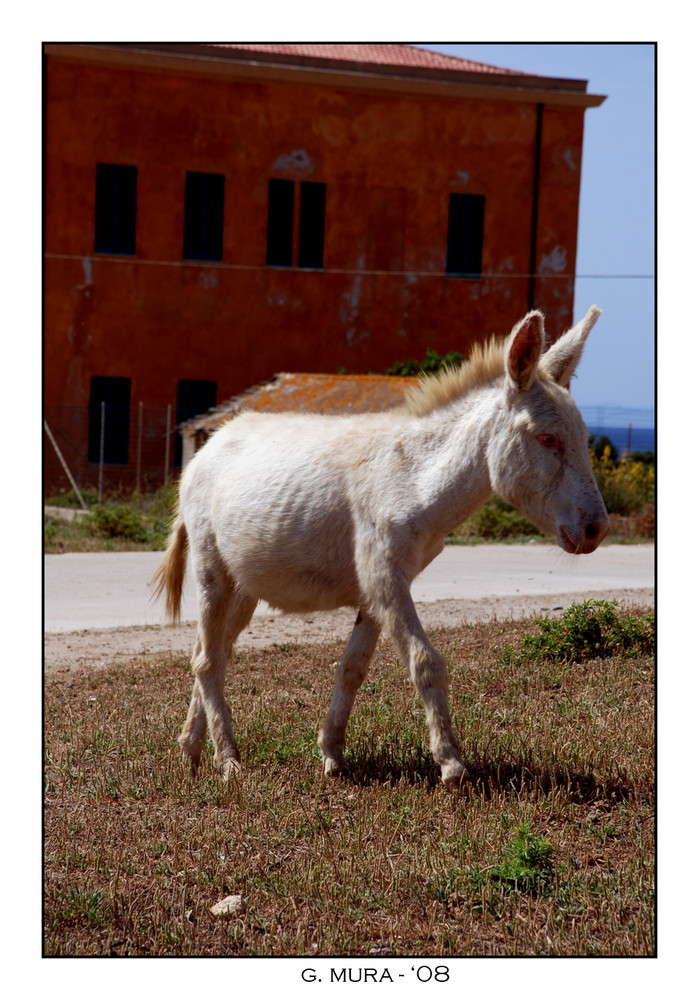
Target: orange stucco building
x: 215, y: 214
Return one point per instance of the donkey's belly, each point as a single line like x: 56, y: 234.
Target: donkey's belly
x: 294, y: 571
x: 296, y: 589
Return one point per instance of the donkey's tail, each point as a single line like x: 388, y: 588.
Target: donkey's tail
x: 169, y: 576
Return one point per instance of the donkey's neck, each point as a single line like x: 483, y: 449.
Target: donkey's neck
x: 452, y: 478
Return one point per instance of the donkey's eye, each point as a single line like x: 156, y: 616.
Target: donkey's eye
x: 550, y: 441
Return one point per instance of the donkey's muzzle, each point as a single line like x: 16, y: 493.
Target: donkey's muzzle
x: 593, y: 533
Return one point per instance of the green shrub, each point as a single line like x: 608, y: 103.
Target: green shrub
x: 70, y: 499
x: 646, y: 457
x: 526, y: 865
x: 600, y: 445
x: 116, y: 520
x: 497, y: 520
x: 432, y: 365
x: 124, y: 522
x: 586, y: 631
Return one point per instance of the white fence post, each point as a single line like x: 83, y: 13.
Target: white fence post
x: 167, y: 441
x: 138, y: 447
x: 102, y: 419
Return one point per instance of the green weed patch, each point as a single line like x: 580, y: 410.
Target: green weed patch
x: 586, y: 631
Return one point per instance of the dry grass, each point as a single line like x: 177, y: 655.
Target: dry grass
x: 386, y: 863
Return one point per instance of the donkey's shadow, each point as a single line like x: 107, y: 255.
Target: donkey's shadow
x: 489, y: 776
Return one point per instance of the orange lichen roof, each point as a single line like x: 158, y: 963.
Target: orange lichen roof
x: 311, y: 392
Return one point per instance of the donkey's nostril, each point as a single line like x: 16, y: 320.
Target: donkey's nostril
x: 597, y: 530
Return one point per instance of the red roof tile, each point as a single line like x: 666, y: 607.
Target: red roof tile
x: 378, y: 58
x: 380, y: 54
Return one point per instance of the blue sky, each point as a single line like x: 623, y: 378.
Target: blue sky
x: 616, y: 232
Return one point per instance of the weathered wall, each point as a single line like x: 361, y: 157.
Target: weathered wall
x: 389, y: 162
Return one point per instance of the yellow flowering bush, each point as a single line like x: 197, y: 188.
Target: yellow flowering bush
x: 627, y: 486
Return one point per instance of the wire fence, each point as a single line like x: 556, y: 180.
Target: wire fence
x: 121, y: 449
x: 109, y: 448
x: 629, y: 429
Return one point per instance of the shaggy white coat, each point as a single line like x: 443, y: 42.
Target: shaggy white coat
x: 313, y: 512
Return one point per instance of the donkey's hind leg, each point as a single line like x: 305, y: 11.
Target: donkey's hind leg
x: 193, y: 735
x: 351, y: 671
x: 224, y: 611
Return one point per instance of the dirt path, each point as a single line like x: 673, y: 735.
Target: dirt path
x: 92, y: 649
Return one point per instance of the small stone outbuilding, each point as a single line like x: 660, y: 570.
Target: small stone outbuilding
x: 299, y: 391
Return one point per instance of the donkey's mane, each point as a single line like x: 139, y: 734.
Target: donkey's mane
x: 485, y: 363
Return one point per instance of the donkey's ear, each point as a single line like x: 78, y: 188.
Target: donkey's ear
x: 524, y: 350
x: 562, y: 358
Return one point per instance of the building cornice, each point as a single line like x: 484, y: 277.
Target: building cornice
x: 245, y: 66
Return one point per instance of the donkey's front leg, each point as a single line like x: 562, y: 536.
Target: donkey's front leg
x: 351, y: 671
x: 428, y: 673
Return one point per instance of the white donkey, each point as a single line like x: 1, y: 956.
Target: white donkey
x: 312, y: 512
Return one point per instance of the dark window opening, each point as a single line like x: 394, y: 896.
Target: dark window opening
x: 311, y: 224
x: 115, y: 393
x: 280, y: 223
x: 465, y: 235
x: 203, y: 216
x: 115, y: 209
x: 194, y: 396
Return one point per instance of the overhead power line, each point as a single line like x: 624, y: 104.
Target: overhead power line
x: 355, y: 272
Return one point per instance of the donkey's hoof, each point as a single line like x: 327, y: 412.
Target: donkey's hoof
x: 335, y: 767
x: 191, y: 750
x: 457, y: 782
x: 190, y: 763
x: 230, y: 769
